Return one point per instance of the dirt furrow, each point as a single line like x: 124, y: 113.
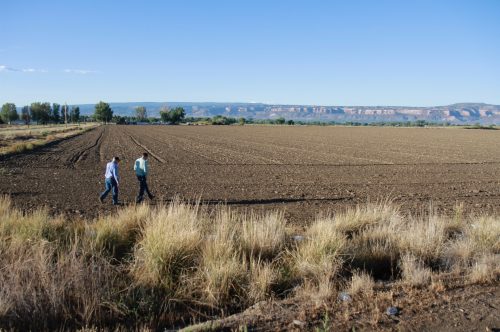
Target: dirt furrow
x: 154, y: 155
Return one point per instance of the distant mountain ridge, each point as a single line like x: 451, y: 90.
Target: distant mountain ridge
x: 460, y: 113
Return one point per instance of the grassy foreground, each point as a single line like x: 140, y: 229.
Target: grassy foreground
x: 182, y: 263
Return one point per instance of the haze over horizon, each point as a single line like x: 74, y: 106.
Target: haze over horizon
x: 285, y: 52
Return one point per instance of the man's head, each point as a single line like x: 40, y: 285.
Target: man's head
x: 145, y: 156
x: 116, y: 159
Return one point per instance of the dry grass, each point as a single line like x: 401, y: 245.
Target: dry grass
x: 263, y: 236
x: 20, y: 139
x: 150, y: 264
x: 21, y: 147
x: 43, y: 286
x: 223, y: 274
x: 361, y: 283
x: 116, y: 235
x: 486, y: 269
x: 361, y: 217
x: 317, y: 259
x: 169, y: 245
x: 414, y: 273
x: 263, y: 275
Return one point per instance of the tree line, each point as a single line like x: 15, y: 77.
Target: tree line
x: 44, y: 113
x: 172, y: 116
x: 41, y: 113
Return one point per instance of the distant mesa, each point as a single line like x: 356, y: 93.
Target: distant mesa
x: 460, y: 113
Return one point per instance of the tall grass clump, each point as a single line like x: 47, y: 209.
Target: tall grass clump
x: 472, y: 247
x: 263, y: 236
x: 485, y: 232
x: 48, y: 276
x: 485, y: 269
x: 361, y: 283
x: 16, y: 226
x: 222, y: 272
x: 263, y: 277
x: 371, y: 231
x: 116, y: 235
x: 414, y: 272
x: 169, y: 245
x: 354, y: 220
x: 21, y: 147
x: 239, y: 256
x: 424, y: 238
x: 317, y: 259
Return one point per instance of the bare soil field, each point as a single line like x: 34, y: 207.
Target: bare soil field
x: 301, y: 170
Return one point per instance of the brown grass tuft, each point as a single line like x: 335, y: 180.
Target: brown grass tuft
x: 263, y: 236
x: 169, y: 244
x: 414, y: 272
x: 361, y: 283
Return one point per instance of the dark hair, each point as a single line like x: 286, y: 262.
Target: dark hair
x: 145, y: 154
x: 116, y: 158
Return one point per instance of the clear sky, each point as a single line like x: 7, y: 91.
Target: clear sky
x: 294, y: 52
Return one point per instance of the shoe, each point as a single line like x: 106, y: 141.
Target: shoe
x: 101, y: 200
x: 152, y: 197
x: 118, y: 204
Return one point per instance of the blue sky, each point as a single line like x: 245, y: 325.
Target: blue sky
x: 293, y: 52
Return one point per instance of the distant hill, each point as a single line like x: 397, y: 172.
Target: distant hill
x: 460, y: 113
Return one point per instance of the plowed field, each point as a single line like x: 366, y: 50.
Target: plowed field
x: 302, y: 170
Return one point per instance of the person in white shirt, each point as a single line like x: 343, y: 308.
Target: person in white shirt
x: 112, y: 180
x: 141, y: 168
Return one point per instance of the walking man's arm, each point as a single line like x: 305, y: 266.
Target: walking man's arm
x: 115, y: 174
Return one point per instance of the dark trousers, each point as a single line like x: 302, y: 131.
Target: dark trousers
x: 111, y: 185
x: 143, y: 187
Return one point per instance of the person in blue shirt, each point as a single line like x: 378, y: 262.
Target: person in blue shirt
x: 141, y: 168
x: 112, y: 181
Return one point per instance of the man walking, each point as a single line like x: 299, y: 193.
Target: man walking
x: 141, y: 168
x: 112, y: 180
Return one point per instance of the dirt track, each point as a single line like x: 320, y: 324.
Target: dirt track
x: 303, y: 170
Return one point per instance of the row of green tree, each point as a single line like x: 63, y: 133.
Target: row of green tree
x: 104, y: 113
x: 41, y: 113
x: 172, y: 116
